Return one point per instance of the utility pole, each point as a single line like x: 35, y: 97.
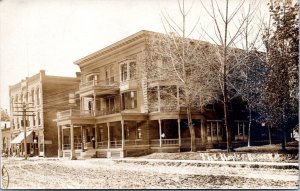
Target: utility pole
x: 24, y: 115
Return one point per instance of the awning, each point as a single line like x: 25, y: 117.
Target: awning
x: 20, y: 138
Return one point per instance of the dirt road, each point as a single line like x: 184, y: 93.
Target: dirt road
x: 104, y: 173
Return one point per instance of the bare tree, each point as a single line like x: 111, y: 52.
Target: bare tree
x: 227, y: 34
x: 178, y: 60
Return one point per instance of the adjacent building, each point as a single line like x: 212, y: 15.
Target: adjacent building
x: 119, y: 112
x: 36, y: 100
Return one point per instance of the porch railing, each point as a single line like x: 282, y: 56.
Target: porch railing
x: 171, y: 109
x: 165, y: 142
x: 100, y: 83
x: 76, y: 146
x: 118, y: 143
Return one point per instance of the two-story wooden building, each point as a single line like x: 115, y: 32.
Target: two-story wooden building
x: 42, y: 96
x: 119, y: 112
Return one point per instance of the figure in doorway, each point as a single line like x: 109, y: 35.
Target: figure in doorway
x: 90, y: 106
x: 93, y: 140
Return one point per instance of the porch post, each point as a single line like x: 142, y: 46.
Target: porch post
x: 62, y: 139
x: 73, y: 157
x: 58, y: 141
x: 160, y: 141
x: 243, y: 131
x: 82, y: 137
x: 122, y: 152
x: 179, y: 133
x: 158, y: 96
x: 211, y: 133
x: 238, y: 126
x: 217, y: 131
x: 96, y: 137
x: 94, y: 105
x: 203, y: 132
x: 123, y: 137
x: 108, y: 141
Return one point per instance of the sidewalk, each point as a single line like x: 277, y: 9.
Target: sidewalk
x: 198, y: 162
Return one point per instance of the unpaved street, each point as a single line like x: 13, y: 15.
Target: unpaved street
x: 103, y: 173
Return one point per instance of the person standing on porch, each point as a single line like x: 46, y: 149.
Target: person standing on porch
x: 93, y: 140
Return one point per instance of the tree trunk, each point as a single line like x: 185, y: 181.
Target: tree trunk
x: 249, y: 127
x: 191, y: 128
x: 270, y: 136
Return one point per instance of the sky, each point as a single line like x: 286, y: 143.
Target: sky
x: 52, y: 34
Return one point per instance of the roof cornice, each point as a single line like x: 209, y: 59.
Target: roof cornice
x: 81, y: 62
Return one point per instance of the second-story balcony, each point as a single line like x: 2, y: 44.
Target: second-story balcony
x: 99, y: 87
x: 86, y: 113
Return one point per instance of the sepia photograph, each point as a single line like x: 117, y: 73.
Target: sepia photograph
x: 149, y: 94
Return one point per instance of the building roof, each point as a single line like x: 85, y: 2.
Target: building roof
x: 114, y: 46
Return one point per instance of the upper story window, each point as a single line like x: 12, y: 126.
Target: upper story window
x: 32, y: 97
x: 109, y: 75
x: 128, y: 70
x: 38, y: 96
x: 129, y: 100
x: 124, y: 72
x: 92, y: 78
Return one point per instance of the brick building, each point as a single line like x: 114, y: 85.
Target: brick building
x: 43, y: 96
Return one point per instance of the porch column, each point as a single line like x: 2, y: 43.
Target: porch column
x: 62, y: 139
x: 203, y: 132
x: 211, y: 133
x: 243, y: 131
x: 238, y: 126
x: 108, y: 141
x: 122, y: 152
x: 179, y: 133
x: 123, y: 137
x: 82, y: 138
x: 94, y: 105
x: 59, y: 141
x: 217, y: 131
x: 160, y: 141
x: 158, y: 96
x: 108, y: 136
x: 73, y: 157
x: 96, y: 137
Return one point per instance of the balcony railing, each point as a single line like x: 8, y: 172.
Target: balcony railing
x: 171, y: 109
x: 100, y: 83
x: 107, y: 111
x: 74, y: 113
x: 86, y: 113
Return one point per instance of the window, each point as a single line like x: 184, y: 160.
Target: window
x: 128, y: 70
x: 132, y: 70
x: 38, y: 96
x: 129, y: 100
x: 39, y: 118
x: 112, y: 73
x: 32, y: 96
x: 109, y: 75
x: 124, y: 72
x: 110, y: 105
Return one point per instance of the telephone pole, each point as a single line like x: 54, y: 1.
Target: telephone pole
x: 24, y: 115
